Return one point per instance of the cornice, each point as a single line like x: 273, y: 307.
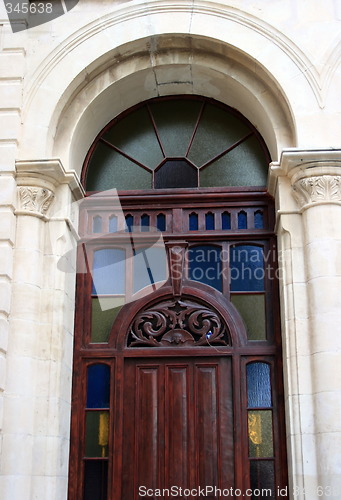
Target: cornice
x: 48, y: 173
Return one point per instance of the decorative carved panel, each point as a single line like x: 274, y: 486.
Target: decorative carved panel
x: 178, y: 323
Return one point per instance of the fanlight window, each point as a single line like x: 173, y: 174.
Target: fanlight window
x: 177, y: 143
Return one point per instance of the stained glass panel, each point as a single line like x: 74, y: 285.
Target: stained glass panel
x: 134, y: 134
x: 97, y: 434
x: 217, y: 131
x: 260, y: 433
x: 252, y: 309
x: 176, y: 174
x: 150, y: 266
x: 95, y: 480
x: 262, y: 477
x: 193, y: 222
x: 161, y: 222
x: 98, y: 390
x: 108, y: 272
x: 246, y: 268
x: 104, y: 312
x: 258, y: 385
x: 175, y: 120
x: 204, y: 263
x: 108, y: 169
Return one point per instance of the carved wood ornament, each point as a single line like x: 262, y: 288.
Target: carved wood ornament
x: 178, y: 323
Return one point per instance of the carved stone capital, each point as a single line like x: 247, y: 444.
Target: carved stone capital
x: 39, y: 181
x: 319, y: 189
x: 34, y: 200
x: 314, y: 175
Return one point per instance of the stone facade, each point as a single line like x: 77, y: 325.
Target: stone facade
x: 61, y: 82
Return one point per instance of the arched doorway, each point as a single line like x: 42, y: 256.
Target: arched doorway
x: 181, y: 386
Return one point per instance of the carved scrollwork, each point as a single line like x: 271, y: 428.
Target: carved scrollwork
x: 178, y: 323
x: 35, y: 199
x: 322, y: 188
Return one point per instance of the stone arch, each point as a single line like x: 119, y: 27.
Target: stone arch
x: 238, y: 59
x: 166, y: 65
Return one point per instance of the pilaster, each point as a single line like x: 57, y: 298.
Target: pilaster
x: 39, y: 357
x: 307, y: 186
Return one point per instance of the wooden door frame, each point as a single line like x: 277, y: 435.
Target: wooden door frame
x: 115, y: 351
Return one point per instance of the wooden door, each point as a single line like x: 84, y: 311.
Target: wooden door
x: 178, y: 425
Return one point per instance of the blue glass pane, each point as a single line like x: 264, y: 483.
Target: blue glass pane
x: 242, y: 220
x: 113, y: 224
x: 145, y: 222
x: 108, y: 274
x: 129, y: 222
x: 161, y: 222
x: 209, y: 220
x: 97, y: 224
x: 246, y: 268
x: 98, y: 393
x: 193, y: 222
x: 225, y: 220
x: 205, y: 265
x: 259, y: 224
x: 258, y: 385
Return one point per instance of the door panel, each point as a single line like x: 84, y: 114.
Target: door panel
x: 178, y: 424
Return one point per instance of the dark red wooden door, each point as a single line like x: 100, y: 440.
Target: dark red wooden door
x: 178, y: 426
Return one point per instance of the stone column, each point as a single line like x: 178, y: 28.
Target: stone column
x: 310, y: 239
x: 39, y: 360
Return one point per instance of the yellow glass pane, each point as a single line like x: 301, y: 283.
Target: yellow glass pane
x: 97, y: 434
x: 260, y: 433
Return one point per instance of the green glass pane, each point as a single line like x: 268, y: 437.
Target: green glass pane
x: 109, y: 169
x: 175, y: 121
x: 252, y: 309
x: 260, y: 433
x: 217, y: 130
x: 104, y: 312
x: 245, y: 165
x: 97, y: 434
x: 135, y: 135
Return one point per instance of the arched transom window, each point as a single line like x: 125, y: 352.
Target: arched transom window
x: 177, y: 143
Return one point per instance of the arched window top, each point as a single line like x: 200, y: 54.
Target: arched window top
x: 177, y: 142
